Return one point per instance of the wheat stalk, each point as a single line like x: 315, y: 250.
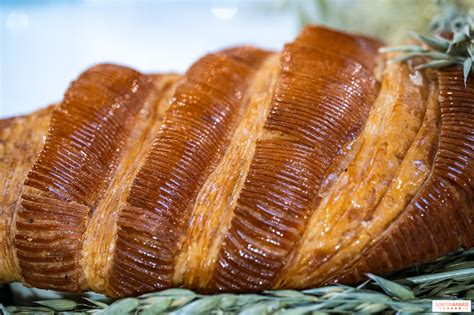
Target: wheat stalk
x: 408, y: 291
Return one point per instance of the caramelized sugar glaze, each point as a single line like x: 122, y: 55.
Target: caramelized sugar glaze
x: 253, y: 170
x: 321, y: 102
x: 381, y: 169
x: 86, y: 135
x: 21, y: 139
x: 206, y: 107
x: 440, y: 217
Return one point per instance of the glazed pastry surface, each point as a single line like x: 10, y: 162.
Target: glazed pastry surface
x: 253, y: 170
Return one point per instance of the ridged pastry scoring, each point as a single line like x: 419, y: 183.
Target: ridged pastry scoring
x: 358, y: 203
x: 205, y: 110
x: 253, y: 170
x: 25, y: 134
x: 214, y: 206
x: 320, y: 103
x: 440, y: 217
x: 85, y: 138
x: 99, y: 238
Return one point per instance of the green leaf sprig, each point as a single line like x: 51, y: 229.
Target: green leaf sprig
x: 440, y: 51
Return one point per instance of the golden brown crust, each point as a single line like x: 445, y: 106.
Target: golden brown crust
x: 205, y: 110
x: 213, y: 210
x: 21, y: 139
x: 99, y: 238
x: 440, y: 217
x: 86, y: 132
x: 48, y: 242
x: 252, y: 171
x: 315, y: 115
x: 7, y: 122
x: 86, y: 135
x: 387, y: 164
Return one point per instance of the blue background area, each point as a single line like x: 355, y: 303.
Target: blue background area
x: 46, y: 44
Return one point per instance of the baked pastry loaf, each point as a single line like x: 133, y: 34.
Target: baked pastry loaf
x: 253, y: 170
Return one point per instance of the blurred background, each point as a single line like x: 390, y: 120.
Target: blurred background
x: 45, y: 44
